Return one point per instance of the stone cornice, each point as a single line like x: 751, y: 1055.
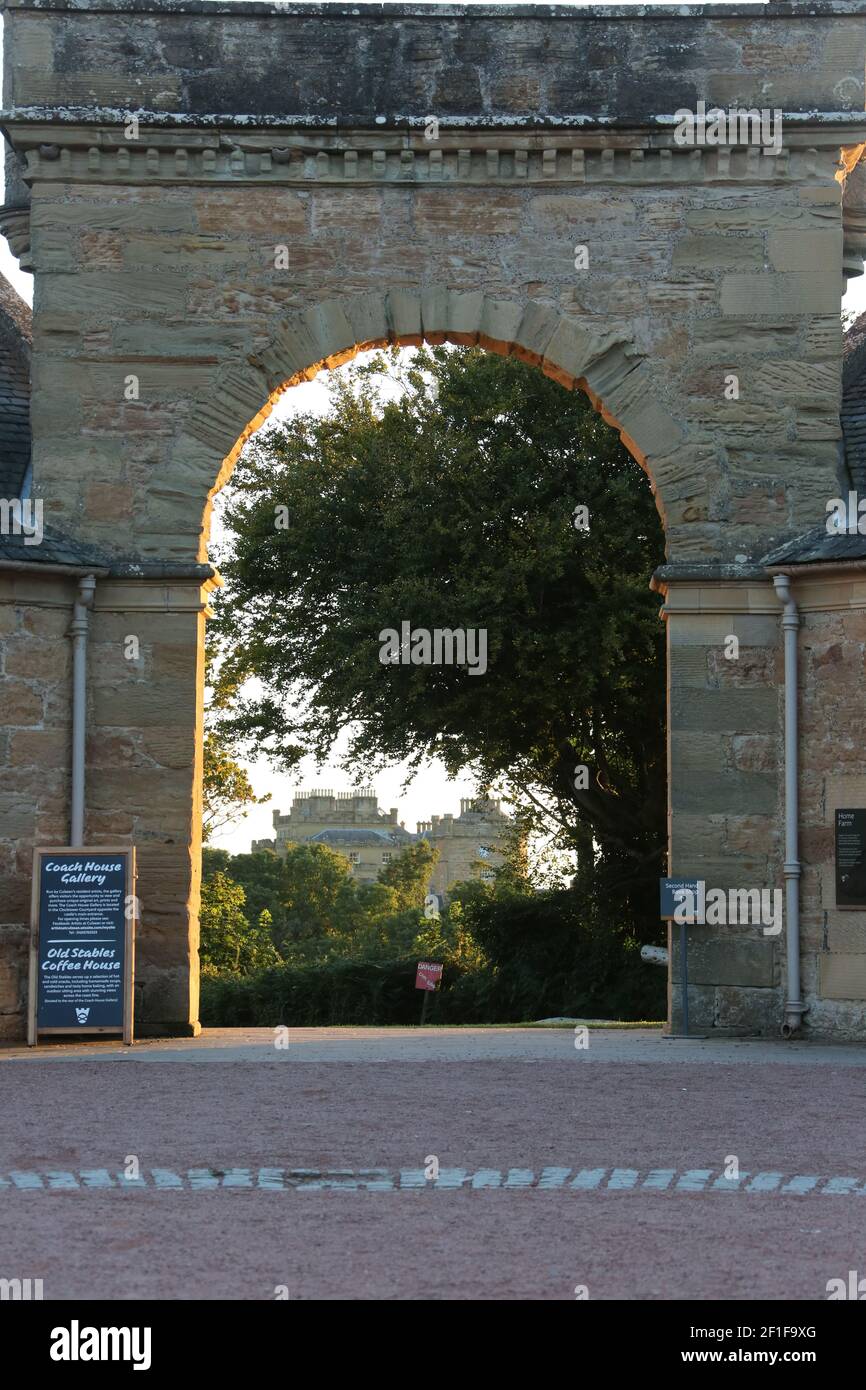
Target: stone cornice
x: 138, y: 570
x: 706, y: 572
x: 252, y: 9
x: 180, y: 151
x: 826, y: 127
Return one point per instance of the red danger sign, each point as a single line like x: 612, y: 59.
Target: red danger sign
x: 428, y: 975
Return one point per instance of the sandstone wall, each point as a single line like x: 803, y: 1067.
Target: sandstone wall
x: 143, y: 769
x: 277, y: 204
x: 171, y: 293
x: 194, y: 252
x: 726, y: 791
x: 356, y: 64
x: 833, y: 775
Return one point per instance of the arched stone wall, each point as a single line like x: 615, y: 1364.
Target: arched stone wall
x: 617, y: 379
x: 165, y: 325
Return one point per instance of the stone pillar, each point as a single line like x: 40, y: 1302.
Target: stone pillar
x: 144, y: 727
x: 144, y: 775
x: 725, y: 791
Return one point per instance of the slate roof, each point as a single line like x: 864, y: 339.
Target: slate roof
x: 15, y: 337
x: 56, y: 549
x: 53, y: 549
x: 818, y: 547
x: 361, y: 837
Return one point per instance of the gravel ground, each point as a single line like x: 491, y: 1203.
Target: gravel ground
x: 476, y: 1099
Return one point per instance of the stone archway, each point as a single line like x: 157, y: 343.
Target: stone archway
x: 165, y: 325
x: 618, y: 381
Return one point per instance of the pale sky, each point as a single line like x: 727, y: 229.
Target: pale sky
x: 431, y: 793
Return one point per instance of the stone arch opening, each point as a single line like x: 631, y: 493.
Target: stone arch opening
x: 576, y: 360
x: 618, y: 380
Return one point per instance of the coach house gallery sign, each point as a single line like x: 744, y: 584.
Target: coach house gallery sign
x: 82, y: 942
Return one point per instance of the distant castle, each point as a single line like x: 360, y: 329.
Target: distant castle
x: 471, y: 845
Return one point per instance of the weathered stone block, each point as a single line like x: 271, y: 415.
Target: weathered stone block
x: 744, y: 296
x: 754, y: 752
x: 537, y: 326
x: 474, y: 214
x: 36, y: 660
x: 500, y: 322
x: 719, y: 253
x: 702, y: 1007
x: 465, y: 312
x: 695, y: 752
x: 756, y: 1012
x: 368, y: 317
x: 729, y: 711
x: 716, y: 792
x: 41, y: 748
x: 97, y: 295
x: 22, y: 703
x: 572, y: 350
x: 280, y: 214
x: 803, y: 251
x: 727, y: 960
x: 688, y: 666
x: 842, y: 976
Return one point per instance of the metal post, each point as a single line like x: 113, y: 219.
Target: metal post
x: 684, y: 978
x: 78, y: 632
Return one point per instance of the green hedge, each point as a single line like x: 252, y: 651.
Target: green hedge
x: 344, y: 991
x: 564, y: 953
x: 544, y: 962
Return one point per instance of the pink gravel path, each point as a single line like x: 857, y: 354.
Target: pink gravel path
x: 559, y: 1108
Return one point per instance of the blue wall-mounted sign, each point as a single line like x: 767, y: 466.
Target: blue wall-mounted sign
x: 667, y: 889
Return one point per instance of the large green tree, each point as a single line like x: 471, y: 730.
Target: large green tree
x: 227, y: 791
x: 313, y: 907
x: 229, y: 941
x: 308, y: 892
x: 457, y: 504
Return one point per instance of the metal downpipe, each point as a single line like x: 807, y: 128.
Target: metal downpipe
x: 794, y: 1006
x: 78, y: 632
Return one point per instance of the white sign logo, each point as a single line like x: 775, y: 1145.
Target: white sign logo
x: 82, y: 1015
